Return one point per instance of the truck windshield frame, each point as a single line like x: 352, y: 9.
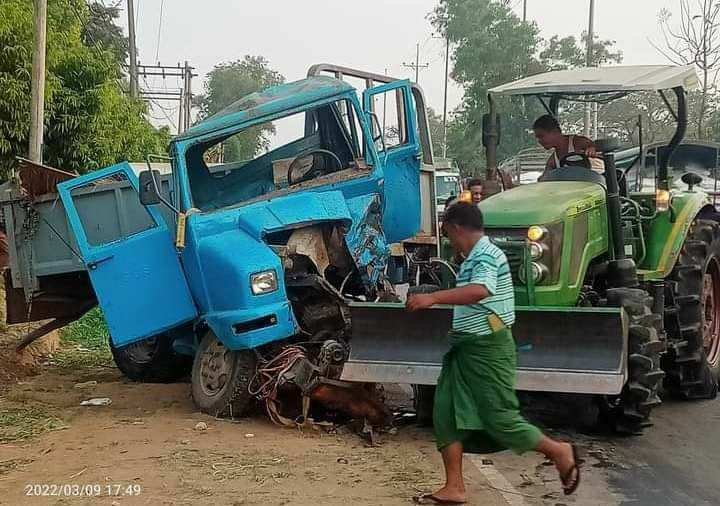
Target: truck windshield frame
x: 334, y: 131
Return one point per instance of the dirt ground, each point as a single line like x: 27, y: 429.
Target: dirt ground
x: 145, y: 447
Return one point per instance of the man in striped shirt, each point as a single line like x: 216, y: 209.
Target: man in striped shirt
x: 476, y: 409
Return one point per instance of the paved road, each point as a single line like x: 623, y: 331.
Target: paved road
x: 676, y: 462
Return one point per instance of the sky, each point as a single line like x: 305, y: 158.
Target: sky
x: 373, y: 35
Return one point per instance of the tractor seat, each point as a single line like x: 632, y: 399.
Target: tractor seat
x: 573, y: 173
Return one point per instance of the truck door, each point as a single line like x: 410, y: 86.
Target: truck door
x: 129, y: 254
x: 395, y: 134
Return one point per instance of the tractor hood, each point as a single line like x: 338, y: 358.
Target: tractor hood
x: 540, y: 203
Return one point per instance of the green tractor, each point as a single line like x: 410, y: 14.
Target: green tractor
x: 617, y: 293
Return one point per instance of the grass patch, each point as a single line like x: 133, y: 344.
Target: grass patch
x: 23, y: 421
x: 85, y: 343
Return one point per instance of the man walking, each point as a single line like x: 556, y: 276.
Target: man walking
x: 476, y: 409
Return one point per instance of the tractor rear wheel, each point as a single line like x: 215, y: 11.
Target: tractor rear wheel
x: 151, y: 360
x: 692, y: 317
x: 629, y: 412
x: 220, y: 378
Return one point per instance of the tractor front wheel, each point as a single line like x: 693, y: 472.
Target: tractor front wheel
x: 692, y: 316
x: 220, y: 378
x: 629, y: 412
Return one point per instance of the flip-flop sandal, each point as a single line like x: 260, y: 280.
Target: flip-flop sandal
x: 569, y: 489
x: 431, y: 499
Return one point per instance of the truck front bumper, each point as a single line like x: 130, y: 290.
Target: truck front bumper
x: 249, y: 328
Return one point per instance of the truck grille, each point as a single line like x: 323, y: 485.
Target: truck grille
x: 499, y: 237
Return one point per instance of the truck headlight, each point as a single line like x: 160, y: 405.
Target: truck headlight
x: 263, y: 282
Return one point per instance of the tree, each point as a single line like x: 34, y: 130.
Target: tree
x: 228, y: 82
x: 89, y: 121
x: 695, y: 40
x: 436, y: 130
x: 102, y: 30
x: 493, y: 46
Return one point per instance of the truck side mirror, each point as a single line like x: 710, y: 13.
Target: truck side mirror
x: 486, y: 126
x: 149, y: 191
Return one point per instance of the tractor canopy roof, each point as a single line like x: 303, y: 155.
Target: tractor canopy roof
x: 620, y: 80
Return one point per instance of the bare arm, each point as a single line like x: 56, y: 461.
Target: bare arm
x: 585, y: 145
x: 461, y: 296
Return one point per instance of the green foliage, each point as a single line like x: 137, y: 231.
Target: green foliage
x: 493, y: 46
x: 85, y: 342
x: 20, y: 421
x: 228, y: 82
x: 89, y: 121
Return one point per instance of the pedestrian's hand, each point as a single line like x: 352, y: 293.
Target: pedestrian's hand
x: 419, y: 301
x: 591, y: 152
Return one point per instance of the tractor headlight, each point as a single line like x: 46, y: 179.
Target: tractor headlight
x: 536, y: 233
x: 263, y: 282
x: 539, y: 271
x: 536, y: 250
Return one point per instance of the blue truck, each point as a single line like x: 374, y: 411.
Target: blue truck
x: 231, y: 267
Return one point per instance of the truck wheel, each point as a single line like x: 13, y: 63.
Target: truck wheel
x: 630, y: 411
x: 693, y: 315
x: 423, y: 397
x: 152, y: 360
x: 220, y: 378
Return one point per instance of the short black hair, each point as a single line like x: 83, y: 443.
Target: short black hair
x: 464, y: 214
x: 476, y: 181
x: 547, y: 123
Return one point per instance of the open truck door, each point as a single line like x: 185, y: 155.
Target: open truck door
x: 130, y: 256
x: 395, y: 133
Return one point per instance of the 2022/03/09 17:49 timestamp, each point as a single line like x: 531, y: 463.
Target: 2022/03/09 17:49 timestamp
x: 82, y: 489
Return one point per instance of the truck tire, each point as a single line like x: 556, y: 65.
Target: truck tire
x: 152, y: 360
x: 220, y: 378
x: 692, y: 317
x: 629, y: 412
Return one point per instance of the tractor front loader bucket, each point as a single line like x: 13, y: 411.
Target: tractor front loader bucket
x: 571, y: 350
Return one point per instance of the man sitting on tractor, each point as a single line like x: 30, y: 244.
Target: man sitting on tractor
x: 549, y: 134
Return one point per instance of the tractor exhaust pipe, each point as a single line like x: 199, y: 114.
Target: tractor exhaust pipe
x: 622, y: 271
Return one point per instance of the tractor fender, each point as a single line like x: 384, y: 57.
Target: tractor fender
x: 686, y: 207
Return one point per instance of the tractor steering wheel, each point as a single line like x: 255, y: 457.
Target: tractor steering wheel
x: 311, y: 173
x: 576, y: 159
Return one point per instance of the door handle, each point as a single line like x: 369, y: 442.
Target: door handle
x: 94, y: 263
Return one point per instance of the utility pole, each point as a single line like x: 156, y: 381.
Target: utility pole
x: 589, y: 62
x: 37, y: 106
x: 181, y: 95
x: 416, y: 65
x: 524, y: 11
x: 447, y: 76
x: 133, y: 49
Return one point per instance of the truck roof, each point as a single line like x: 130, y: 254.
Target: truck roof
x: 269, y: 101
x: 597, y: 80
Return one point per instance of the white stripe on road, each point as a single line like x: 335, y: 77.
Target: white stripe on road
x: 498, y: 481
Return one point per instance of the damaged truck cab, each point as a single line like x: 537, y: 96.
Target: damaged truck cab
x: 262, y: 244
